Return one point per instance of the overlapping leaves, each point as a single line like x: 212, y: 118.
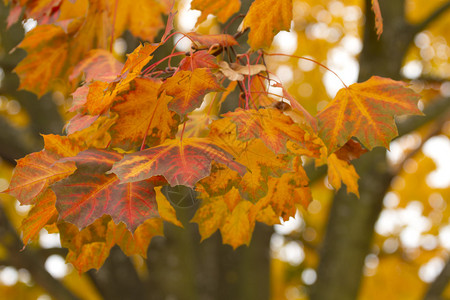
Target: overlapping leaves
x: 136, y: 130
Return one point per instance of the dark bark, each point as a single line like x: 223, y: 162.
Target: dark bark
x: 181, y: 267
x: 351, y: 222
x: 437, y: 287
x: 117, y: 278
x: 30, y: 259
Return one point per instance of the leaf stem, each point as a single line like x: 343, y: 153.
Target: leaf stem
x: 150, y: 123
x: 150, y: 68
x: 311, y: 60
x: 182, y: 132
x: 113, y: 26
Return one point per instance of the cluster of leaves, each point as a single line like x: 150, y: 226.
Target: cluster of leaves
x: 138, y: 128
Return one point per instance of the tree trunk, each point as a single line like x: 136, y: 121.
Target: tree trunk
x: 351, y: 222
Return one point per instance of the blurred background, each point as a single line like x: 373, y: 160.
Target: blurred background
x: 393, y: 243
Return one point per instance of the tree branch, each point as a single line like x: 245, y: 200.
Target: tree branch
x: 437, y: 287
x: 14, y: 142
x: 30, y: 260
x: 431, y: 18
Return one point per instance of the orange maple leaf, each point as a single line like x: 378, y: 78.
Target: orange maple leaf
x: 266, y: 18
x: 366, y: 111
x: 138, y: 120
x: 47, y: 48
x: 43, y: 213
x: 341, y: 171
x: 378, y: 18
x: 188, y: 89
x: 142, y: 17
x: 222, y: 9
x: 271, y: 126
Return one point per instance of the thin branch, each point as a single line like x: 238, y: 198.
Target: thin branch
x: 30, y: 260
x: 437, y: 129
x: 431, y: 18
x: 14, y: 142
x: 432, y: 111
x: 437, y: 287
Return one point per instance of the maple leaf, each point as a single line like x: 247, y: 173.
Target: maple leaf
x: 220, y: 181
x: 260, y: 161
x: 95, y: 30
x: 238, y: 226
x: 99, y: 237
x: 95, y: 135
x: 198, y: 59
x: 79, y: 98
x: 270, y: 125
x: 258, y: 94
x: 366, y: 110
x: 34, y: 173
x: 47, y: 48
x: 137, y: 60
x: 98, y: 64
x: 201, y: 41
x: 181, y: 162
x: 138, y: 120
x: 288, y: 191
x: 89, y: 247
x: 99, y: 99
x: 52, y: 48
x: 210, y: 216
x: 165, y: 210
x: 63, y: 146
x: 222, y: 9
x: 350, y: 151
x: 188, y: 89
x: 213, y: 211
x: 43, y: 11
x: 266, y: 18
x: 267, y: 216
x: 142, y: 237
x: 43, y: 213
x: 143, y: 18
x: 342, y: 171
x: 89, y: 193
x: 102, y: 94
x: 79, y: 122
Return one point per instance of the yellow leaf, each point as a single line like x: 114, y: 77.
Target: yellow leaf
x: 223, y: 9
x: 39, y: 216
x: 188, y: 89
x: 166, y: 211
x: 139, y: 120
x: 47, y: 48
x: 266, y: 18
x: 143, y: 18
x: 211, y: 215
x: 341, y: 171
x: 238, y: 226
x: 260, y: 161
x: 288, y: 191
x: 366, y: 110
x: 267, y: 216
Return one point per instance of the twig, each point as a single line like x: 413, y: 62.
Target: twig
x: 431, y: 18
x: 437, y: 287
